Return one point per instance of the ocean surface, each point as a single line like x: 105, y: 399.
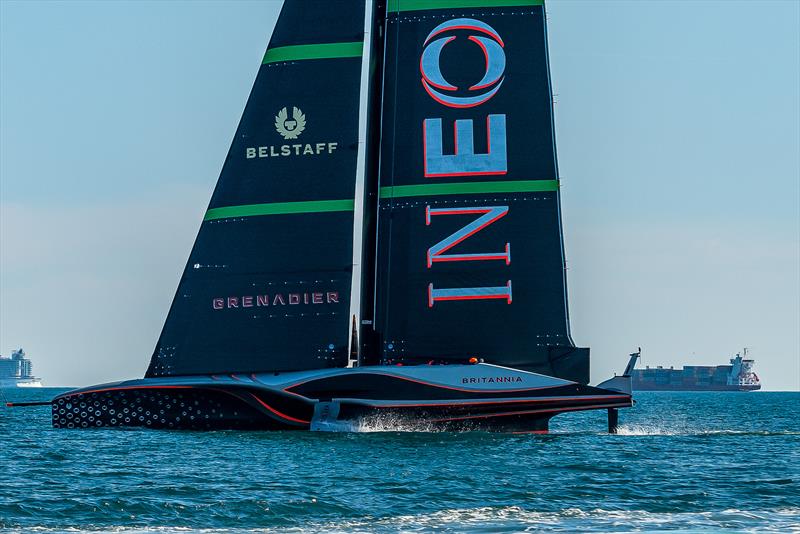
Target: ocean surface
x: 683, y: 462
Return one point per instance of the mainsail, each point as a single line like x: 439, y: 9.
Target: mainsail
x: 268, y: 283
x: 470, y: 256
x: 459, y: 233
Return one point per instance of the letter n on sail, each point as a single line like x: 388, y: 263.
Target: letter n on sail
x: 469, y: 293
x: 465, y: 162
x: 488, y: 215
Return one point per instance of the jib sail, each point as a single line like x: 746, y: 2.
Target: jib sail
x: 267, y: 286
x: 470, y: 255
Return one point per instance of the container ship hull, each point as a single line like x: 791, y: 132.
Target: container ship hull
x: 648, y: 386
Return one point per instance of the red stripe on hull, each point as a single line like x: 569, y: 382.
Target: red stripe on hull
x: 279, y: 414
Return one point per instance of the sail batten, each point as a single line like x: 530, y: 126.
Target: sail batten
x: 279, y: 208
x: 421, y: 5
x: 469, y: 188
x: 313, y: 51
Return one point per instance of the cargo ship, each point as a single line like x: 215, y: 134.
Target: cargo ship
x: 17, y: 371
x: 738, y: 376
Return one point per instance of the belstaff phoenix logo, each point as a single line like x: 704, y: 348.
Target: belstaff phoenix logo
x: 290, y: 128
x: 434, y: 81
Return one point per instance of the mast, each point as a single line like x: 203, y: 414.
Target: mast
x: 359, y: 211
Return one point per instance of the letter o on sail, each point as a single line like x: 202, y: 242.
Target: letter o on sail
x: 434, y: 82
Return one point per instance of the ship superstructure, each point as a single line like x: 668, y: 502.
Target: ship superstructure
x: 384, y: 237
x: 738, y: 376
x: 17, y: 371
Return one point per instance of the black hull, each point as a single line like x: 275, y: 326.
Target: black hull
x: 396, y: 399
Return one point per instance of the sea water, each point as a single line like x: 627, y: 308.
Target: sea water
x: 682, y: 461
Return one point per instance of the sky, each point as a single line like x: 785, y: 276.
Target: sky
x: 678, y: 131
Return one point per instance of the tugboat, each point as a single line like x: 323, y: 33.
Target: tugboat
x: 357, y: 259
x: 17, y: 371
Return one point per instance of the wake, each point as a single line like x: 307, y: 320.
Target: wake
x: 666, y: 430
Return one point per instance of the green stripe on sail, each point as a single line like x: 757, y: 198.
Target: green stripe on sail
x: 469, y: 188
x: 313, y: 51
x: 279, y: 208
x: 419, y: 5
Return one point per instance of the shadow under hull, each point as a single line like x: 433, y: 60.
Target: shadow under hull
x: 436, y: 397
